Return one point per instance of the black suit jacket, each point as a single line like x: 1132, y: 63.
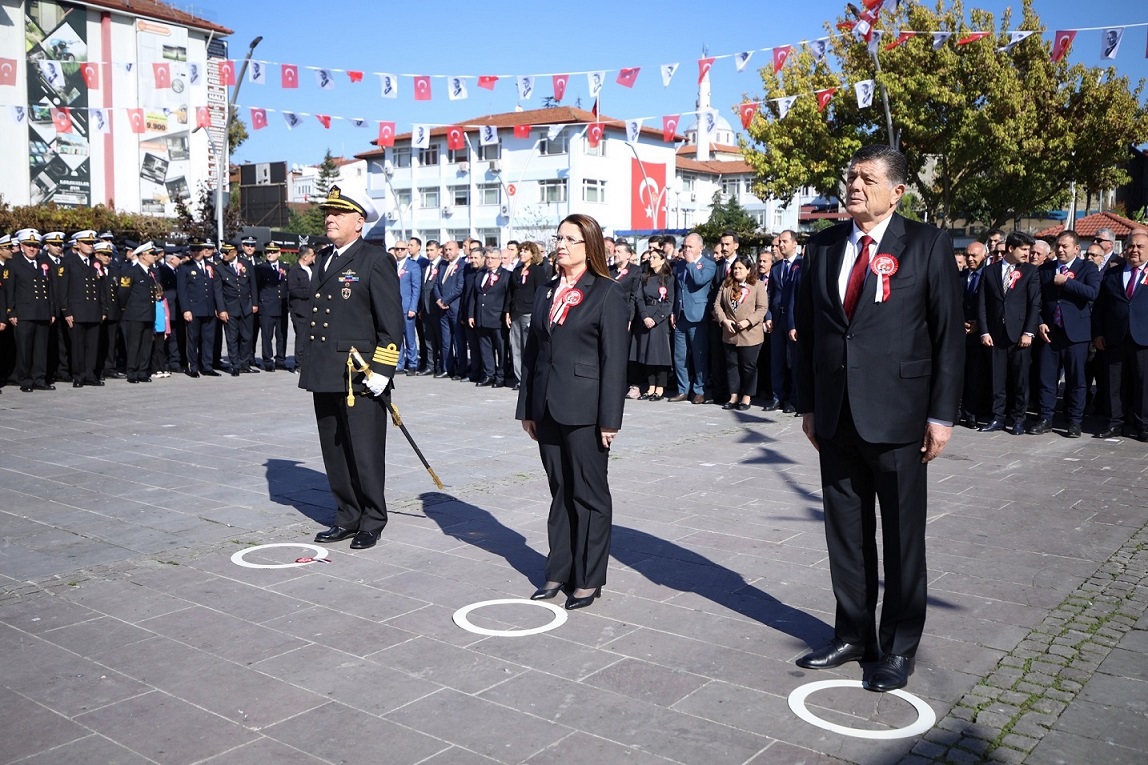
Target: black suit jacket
x: 271, y: 288
x: 1006, y: 314
x: 577, y: 369
x: 235, y: 292
x: 195, y: 285
x: 82, y: 294
x: 1116, y: 318
x: 1074, y: 297
x: 136, y: 293
x: 489, y: 304
x: 898, y: 363
x: 30, y: 288
x: 299, y: 291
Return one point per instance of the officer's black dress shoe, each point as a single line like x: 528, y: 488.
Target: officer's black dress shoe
x: 44, y: 386
x: 546, y: 593
x: 1017, y: 428
x: 834, y: 655
x: 1039, y: 428
x: 365, y: 539
x: 497, y: 384
x: 789, y: 409
x: 334, y: 534
x: 133, y: 380
x: 892, y: 673
x: 26, y: 389
x: 968, y: 421
x: 771, y: 406
x: 145, y: 379
x: 77, y: 384
x: 1111, y: 432
x: 117, y: 376
x: 235, y: 373
x: 439, y: 375
x: 97, y: 383
x: 992, y: 426
x: 1073, y: 430
x: 210, y: 373
x: 573, y: 603
x: 424, y: 372
x: 189, y: 373
x: 1142, y: 436
x: 484, y: 383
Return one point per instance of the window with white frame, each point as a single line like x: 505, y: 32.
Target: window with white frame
x: 731, y: 187
x: 689, y: 181
x: 403, y: 197
x: 488, y: 236
x: 456, y: 234
x: 490, y: 151
x: 429, y: 196
x: 594, y: 191
x: 559, y: 145
x: 401, y: 157
x: 553, y: 190
x: 454, y: 156
x: 459, y: 196
x: 489, y: 194
x: 429, y: 155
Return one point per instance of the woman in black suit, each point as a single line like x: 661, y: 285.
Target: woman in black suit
x: 573, y: 391
x: 650, y: 343
x: 530, y: 275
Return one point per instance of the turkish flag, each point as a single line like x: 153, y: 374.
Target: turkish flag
x: 647, y: 197
x: 289, y: 76
x: 8, y: 71
x: 258, y: 118
x: 560, y: 81
x: 1061, y: 42
x: 626, y: 77
x: 202, y: 117
x: 62, y: 119
x: 136, y: 118
x: 901, y: 38
x: 747, y: 110
x: 91, y: 75
x: 455, y: 139
x: 522, y: 131
x: 594, y: 134
x: 355, y: 76
x: 487, y: 81
x: 780, y: 54
x: 227, y: 72
x: 670, y: 127
x: 386, y: 134
x: 973, y: 38
x: 704, y: 65
x: 422, y: 88
x: 823, y: 97
x: 162, y: 75
x: 324, y: 120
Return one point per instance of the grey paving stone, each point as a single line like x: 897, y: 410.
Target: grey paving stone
x: 229, y: 637
x: 263, y: 750
x: 328, y: 731
x: 1126, y: 663
x: 27, y: 728
x: 1109, y: 724
x: 647, y: 682
x: 1061, y: 748
x: 459, y: 668
x: 1116, y: 690
x: 85, y: 751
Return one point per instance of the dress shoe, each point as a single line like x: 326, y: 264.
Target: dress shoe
x: 424, y: 372
x: 546, y: 593
x: 190, y: 373
x: 334, y: 534
x: 26, y: 389
x: 145, y: 379
x: 1038, y: 428
x: 497, y: 384
x: 44, y: 386
x: 365, y: 539
x: 699, y: 399
x: 517, y: 386
x: 210, y: 373
x: 833, y: 655
x: 743, y: 407
x: 1073, y: 430
x: 645, y: 397
x: 235, y: 373
x: 773, y: 405
x: 77, y: 384
x: 439, y: 375
x: 411, y: 372
x: 789, y: 409
x: 1142, y: 436
x: 892, y: 673
x: 729, y: 406
x: 656, y: 397
x: 992, y: 426
x: 1112, y: 432
x: 484, y: 383
x: 266, y: 368
x: 117, y: 376
x: 1018, y: 428
x: 679, y: 397
x: 573, y: 603
x: 132, y: 380
x: 968, y: 421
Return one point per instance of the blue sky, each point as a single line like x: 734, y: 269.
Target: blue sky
x: 453, y: 38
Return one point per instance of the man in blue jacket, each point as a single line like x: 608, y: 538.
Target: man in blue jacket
x: 693, y: 274
x: 448, y: 295
x: 410, y: 290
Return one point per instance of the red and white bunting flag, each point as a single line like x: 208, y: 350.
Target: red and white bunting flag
x: 227, y: 73
x: 386, y: 134
x: 594, y: 134
x: 289, y: 76
x: 90, y: 73
x: 747, y: 110
x: 668, y: 71
x: 522, y: 131
x: 780, y: 55
x: 704, y: 65
x: 202, y: 117
x: 627, y: 77
x: 258, y: 118
x: 162, y: 73
x: 973, y: 38
x: 62, y: 120
x: 560, y: 81
x: 940, y: 38
x: 1061, y: 42
x: 325, y: 79
x: 8, y: 71
x: 902, y: 38
x: 670, y: 127
x: 784, y: 105
x: 824, y: 97
x: 595, y: 110
x: 741, y: 59
x: 487, y: 81
x: 355, y: 75
x: 389, y: 84
x: 136, y: 120
x: 454, y: 138
x: 324, y: 120
x: 422, y: 88
x: 1013, y: 39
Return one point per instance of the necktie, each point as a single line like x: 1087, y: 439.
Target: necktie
x: 974, y: 280
x: 1007, y: 274
x: 1131, y: 288
x: 857, y: 276
x: 485, y: 278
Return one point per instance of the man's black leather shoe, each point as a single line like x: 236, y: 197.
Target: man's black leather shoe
x: 439, y: 375
x: 189, y: 373
x: 771, y: 406
x: 45, y: 386
x: 365, y: 539
x: 1018, y: 428
x: 1038, y: 428
x: 833, y: 655
x: 77, y: 384
x: 484, y: 383
x: 115, y: 376
x: 334, y: 534
x: 26, y: 389
x: 1111, y: 432
x: 892, y: 673
x: 210, y: 373
x: 992, y: 426
x: 789, y: 409
x: 1073, y: 430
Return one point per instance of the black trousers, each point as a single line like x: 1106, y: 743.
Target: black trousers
x: 581, y: 511
x: 111, y: 347
x: 354, y: 443
x: 1009, y: 368
x: 175, y: 345
x: 200, y: 342
x: 975, y: 393
x: 301, y: 327
x: 429, y: 332
x: 85, y: 350
x: 1127, y: 375
x: 741, y: 368
x: 239, y: 349
x: 138, y: 337
x: 473, y: 367
x: 273, y: 328
x: 1071, y: 356
x: 31, y: 351
x: 719, y: 381
x: 781, y: 364
x: 59, y: 350
x: 493, y: 353
x: 855, y: 476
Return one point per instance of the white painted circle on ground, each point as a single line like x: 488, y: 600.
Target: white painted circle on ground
x: 926, y: 717
x: 460, y: 617
x: 239, y: 558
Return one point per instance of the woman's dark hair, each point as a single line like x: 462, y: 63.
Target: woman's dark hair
x: 534, y: 250
x: 662, y: 273
x: 751, y: 278
x: 595, y: 243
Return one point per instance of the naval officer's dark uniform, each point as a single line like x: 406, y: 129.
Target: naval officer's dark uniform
x: 83, y: 299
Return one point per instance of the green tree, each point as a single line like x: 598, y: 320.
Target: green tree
x: 727, y: 215
x: 236, y: 133
x: 328, y: 174
x: 196, y: 217
x: 306, y: 222
x: 988, y: 134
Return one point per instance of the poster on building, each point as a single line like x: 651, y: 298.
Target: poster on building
x: 162, y: 80
x: 647, y: 195
x: 58, y: 149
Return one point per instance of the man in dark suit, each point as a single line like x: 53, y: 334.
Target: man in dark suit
x: 1008, y: 312
x: 356, y: 305
x: 136, y: 292
x: 488, y: 306
x: 31, y: 304
x: 1068, y: 286
x: 880, y: 350
x: 59, y: 338
x: 271, y: 289
x: 238, y: 302
x: 107, y: 358
x: 973, y: 391
x: 783, y: 278
x: 472, y: 367
x: 430, y: 315
x: 447, y: 296
x: 299, y: 301
x: 83, y: 304
x: 175, y: 344
x: 195, y: 285
x: 1120, y: 330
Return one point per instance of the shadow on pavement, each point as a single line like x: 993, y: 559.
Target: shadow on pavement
x: 301, y: 488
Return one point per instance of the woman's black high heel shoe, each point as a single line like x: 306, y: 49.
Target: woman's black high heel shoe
x: 573, y: 602
x: 544, y: 593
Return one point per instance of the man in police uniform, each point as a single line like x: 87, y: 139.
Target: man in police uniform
x: 195, y: 285
x: 7, y: 346
x: 83, y: 305
x: 136, y: 291
x: 59, y: 341
x: 356, y: 305
x: 271, y: 285
x: 237, y: 304
x: 28, y: 287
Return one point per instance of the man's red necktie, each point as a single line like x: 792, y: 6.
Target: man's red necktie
x: 1132, y: 283
x: 857, y: 276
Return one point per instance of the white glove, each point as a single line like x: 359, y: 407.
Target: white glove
x: 377, y: 383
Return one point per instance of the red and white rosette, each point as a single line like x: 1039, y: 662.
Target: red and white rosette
x: 1144, y: 276
x: 572, y: 298
x: 44, y: 267
x: 884, y: 265
x: 662, y: 293
x: 494, y: 279
x: 744, y: 294
x: 210, y: 273
x: 1013, y: 278
x: 622, y: 272
x: 525, y: 273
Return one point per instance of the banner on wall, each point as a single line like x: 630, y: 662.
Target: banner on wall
x: 57, y: 47
x: 647, y: 195
x: 165, y: 147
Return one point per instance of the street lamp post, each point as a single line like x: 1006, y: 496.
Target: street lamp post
x: 223, y: 152
x: 219, y: 153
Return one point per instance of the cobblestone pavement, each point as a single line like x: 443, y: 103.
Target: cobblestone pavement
x: 128, y: 635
